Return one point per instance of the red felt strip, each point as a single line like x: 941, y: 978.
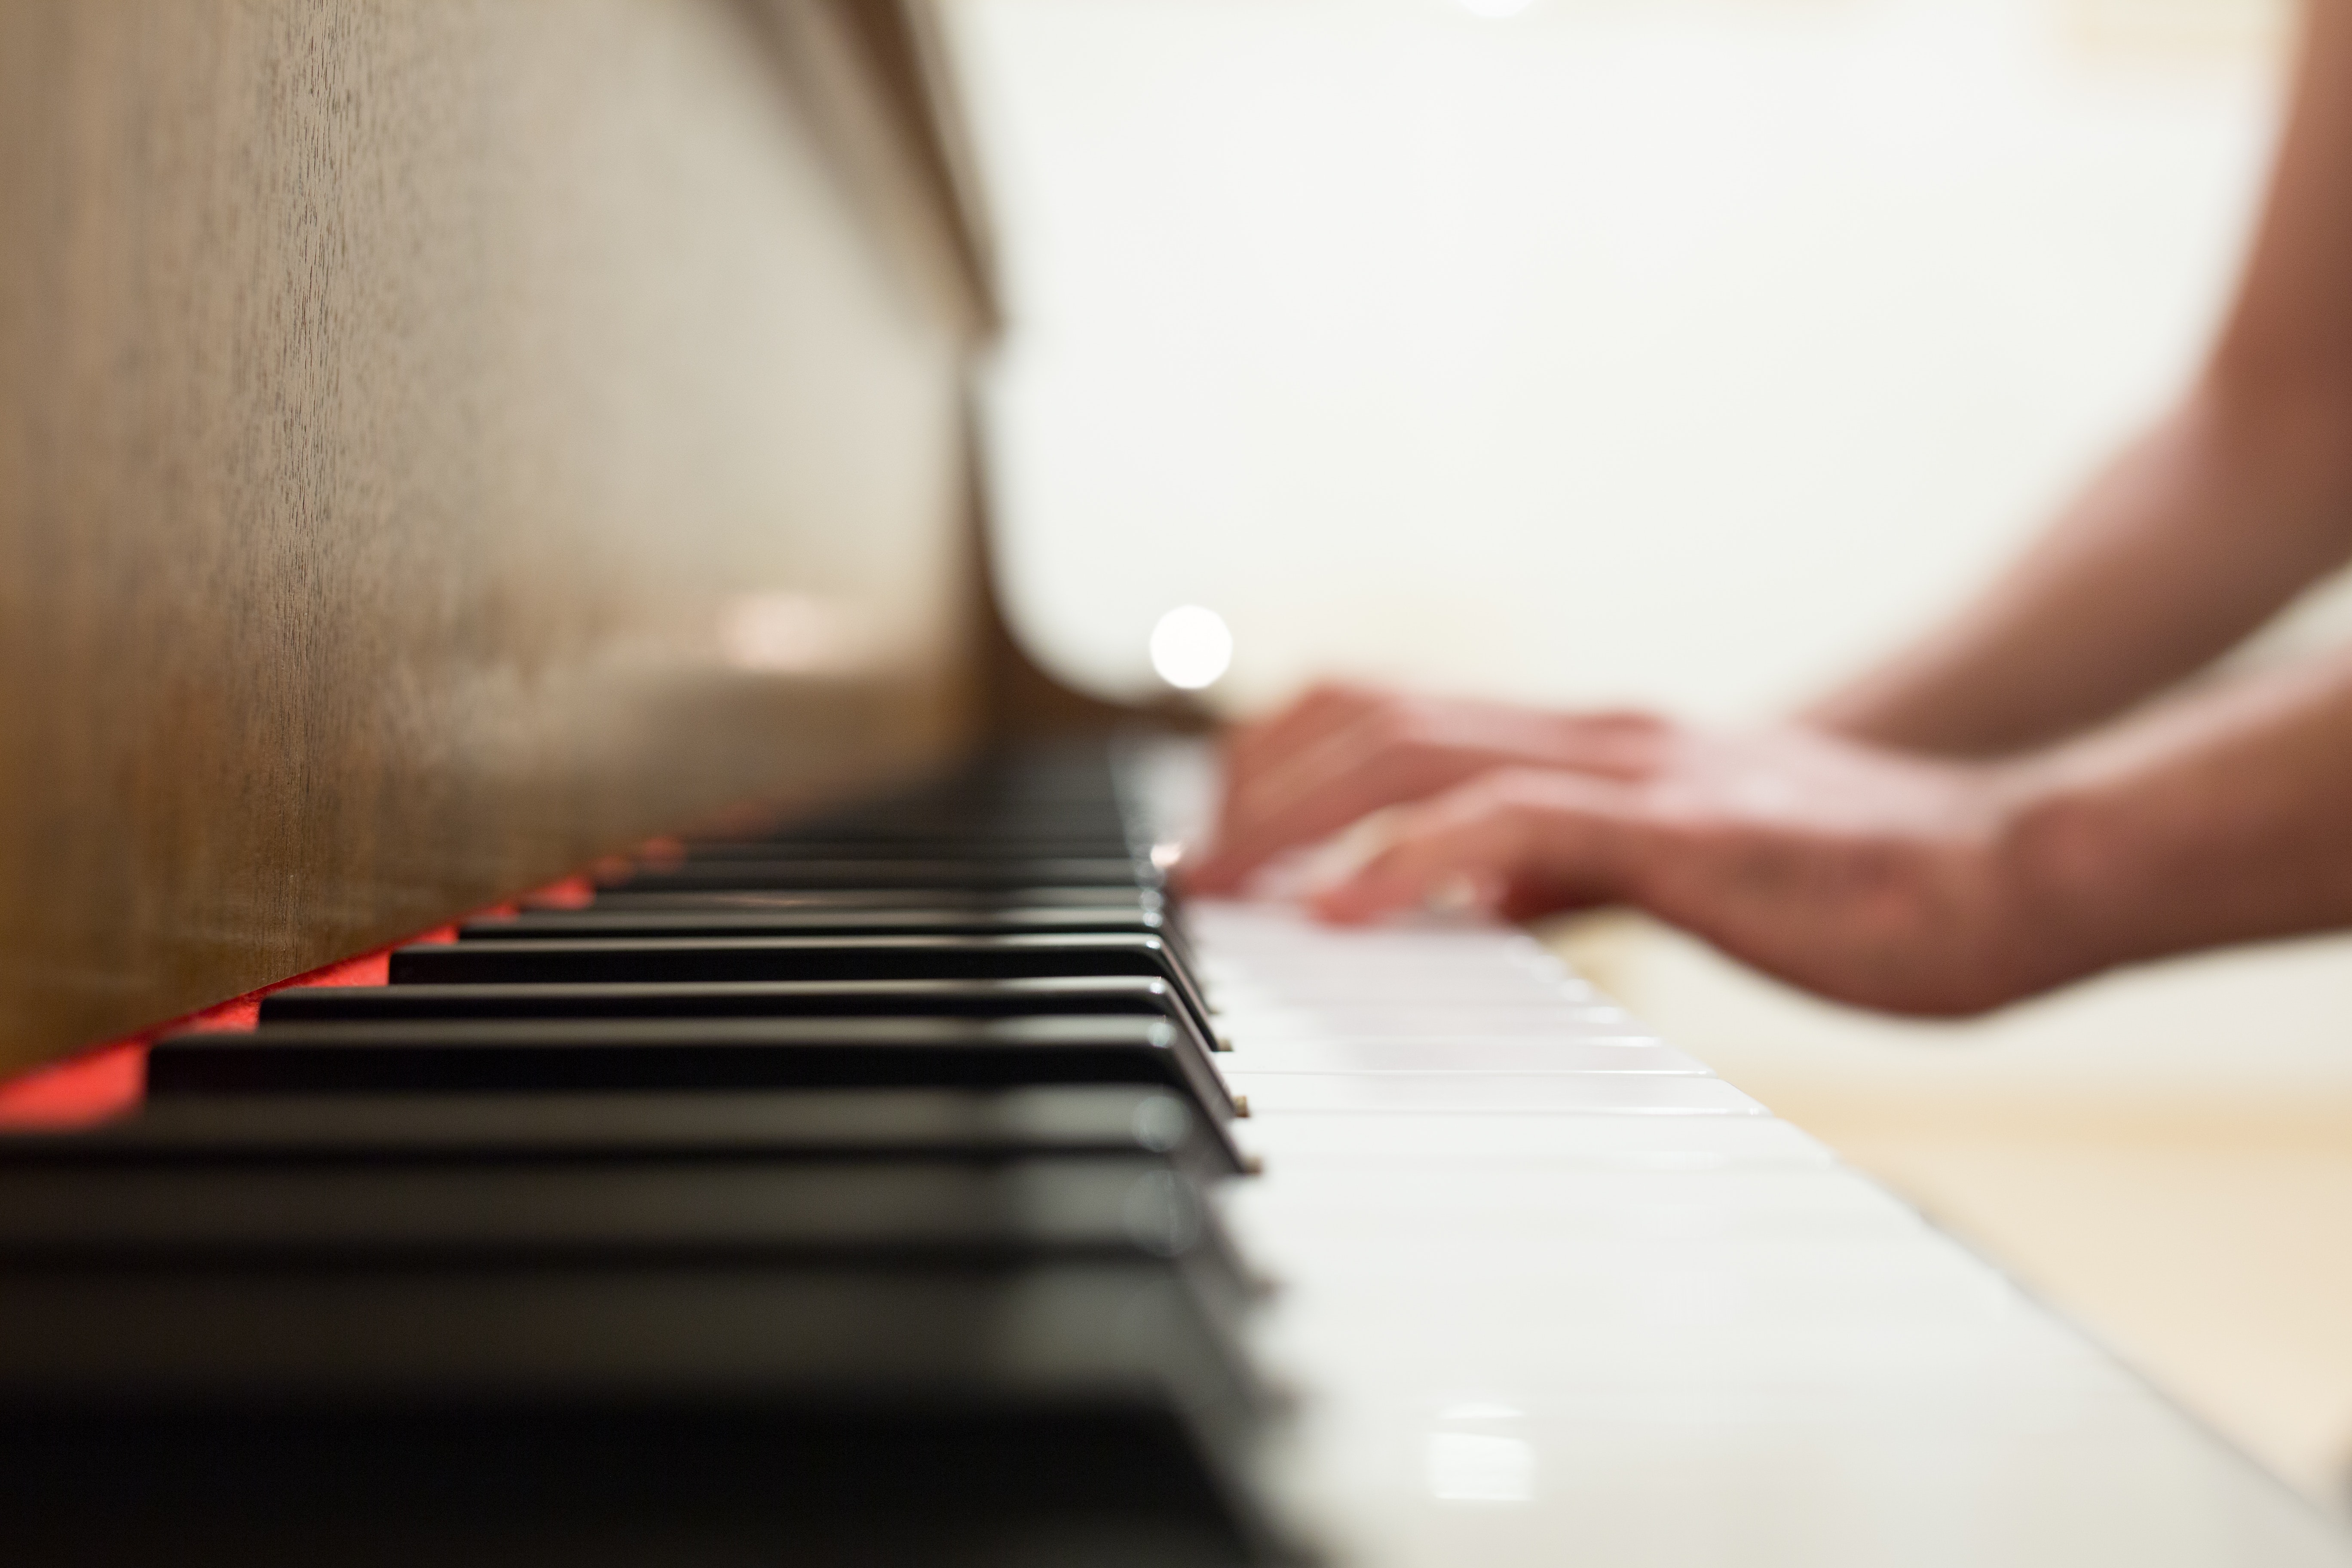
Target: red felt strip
x: 111, y: 1079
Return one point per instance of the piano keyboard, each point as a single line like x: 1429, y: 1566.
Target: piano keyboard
x: 916, y: 1186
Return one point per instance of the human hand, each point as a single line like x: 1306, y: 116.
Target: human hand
x: 1341, y: 752
x: 1862, y: 875
x: 1877, y: 878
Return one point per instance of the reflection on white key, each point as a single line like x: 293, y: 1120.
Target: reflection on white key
x: 1471, y: 1466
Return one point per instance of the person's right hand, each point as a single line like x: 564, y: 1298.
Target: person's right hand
x: 1340, y: 752
x: 1912, y: 884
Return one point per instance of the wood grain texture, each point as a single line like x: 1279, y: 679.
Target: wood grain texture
x: 439, y: 443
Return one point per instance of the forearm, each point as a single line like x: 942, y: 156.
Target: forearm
x: 2204, y: 527
x: 2189, y: 540
x: 2223, y: 817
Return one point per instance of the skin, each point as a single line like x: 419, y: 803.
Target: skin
x: 2029, y: 796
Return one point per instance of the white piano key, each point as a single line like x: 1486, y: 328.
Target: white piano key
x: 1853, y: 1356
x: 1624, y: 1094
x: 1331, y: 1232
x: 1446, y: 1041
x: 1425, y: 1023
x: 1978, y: 1474
x: 1632, y: 1319
x: 1400, y: 1189
x: 1478, y: 1055
x: 1435, y: 1140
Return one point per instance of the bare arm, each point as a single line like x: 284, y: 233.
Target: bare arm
x: 1920, y: 885
x: 1930, y: 842
x: 2199, y: 531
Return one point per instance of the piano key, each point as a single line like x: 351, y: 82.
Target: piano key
x: 1305, y: 1193
x: 683, y: 1054
x: 516, y: 1213
x: 711, y: 959
x: 607, y: 1416
x: 405, y: 1336
x: 1338, y: 1223
x: 1039, y: 996
x: 722, y: 959
x: 1531, y: 1140
x: 594, y: 921
x: 980, y: 874
x: 1435, y: 1094
x: 1435, y: 1031
x: 1471, y: 1014
x: 816, y: 1124
x: 1329, y: 1054
x: 700, y: 924
x: 971, y: 898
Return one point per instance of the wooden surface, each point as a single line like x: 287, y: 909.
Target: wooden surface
x: 439, y: 444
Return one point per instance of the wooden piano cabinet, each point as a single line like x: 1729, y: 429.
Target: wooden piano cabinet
x: 442, y: 443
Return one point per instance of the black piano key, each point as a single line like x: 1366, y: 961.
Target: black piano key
x: 1047, y: 996
x: 934, y: 1213
x: 1021, y: 997
x: 977, y: 900
x: 671, y: 925
x: 980, y: 874
x: 480, y: 1331
x: 481, y: 1415
x: 688, y: 1054
x: 588, y: 959
x: 598, y: 921
x: 622, y: 1326
x: 917, y: 1125
x: 721, y: 958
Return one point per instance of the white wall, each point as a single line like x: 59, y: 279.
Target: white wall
x: 1684, y: 351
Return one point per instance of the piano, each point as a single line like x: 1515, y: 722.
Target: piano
x: 579, y: 998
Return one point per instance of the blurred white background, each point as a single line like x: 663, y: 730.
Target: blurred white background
x: 1677, y: 350
x: 1689, y: 352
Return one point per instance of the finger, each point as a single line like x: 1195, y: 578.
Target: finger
x: 1270, y: 747
x: 1506, y: 829
x: 1365, y: 769
x: 1323, y: 709
x: 1626, y: 744
x: 1455, y: 741
x: 1535, y: 899
x: 1332, y: 730
x: 1403, y: 749
x: 1364, y: 751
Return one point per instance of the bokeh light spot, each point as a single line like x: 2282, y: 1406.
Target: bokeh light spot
x: 1190, y: 646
